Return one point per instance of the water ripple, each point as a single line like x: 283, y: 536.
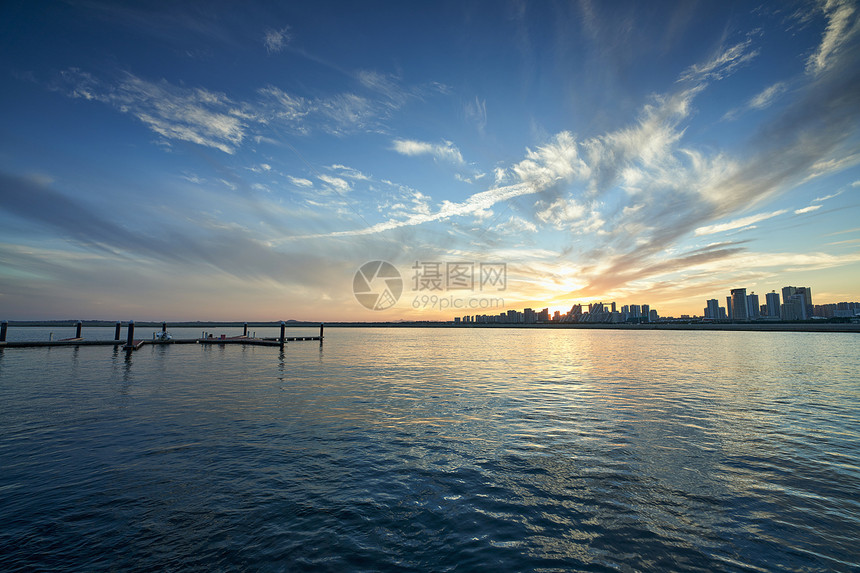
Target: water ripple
x: 416, y: 450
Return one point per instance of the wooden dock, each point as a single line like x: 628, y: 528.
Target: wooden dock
x: 131, y: 343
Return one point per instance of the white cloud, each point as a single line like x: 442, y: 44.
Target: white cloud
x: 445, y: 151
x: 349, y: 172
x: 195, y: 115
x: 571, y: 215
x: 470, y: 180
x: 722, y: 64
x: 766, y: 97
x: 840, y: 28
x: 476, y: 112
x: 762, y: 100
x: 276, y: 40
x: 348, y: 112
x: 386, y: 85
x: 336, y: 183
x: 555, y: 161
x: 832, y: 195
x: 516, y: 225
x: 300, y: 181
x: 737, y: 223
x: 500, y: 175
x: 809, y: 209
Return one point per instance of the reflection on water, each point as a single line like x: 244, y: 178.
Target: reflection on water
x: 419, y: 449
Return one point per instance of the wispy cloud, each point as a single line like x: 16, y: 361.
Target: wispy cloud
x: 842, y: 25
x: 724, y: 63
x: 446, y: 151
x: 202, y: 243
x: 762, y: 100
x: 766, y: 97
x: 737, y: 223
x: 386, y: 85
x: 809, y: 209
x: 195, y: 115
x: 476, y: 112
x: 276, y: 40
x: 335, y: 183
x: 516, y: 225
x: 827, y: 197
x: 300, y: 181
x: 213, y: 119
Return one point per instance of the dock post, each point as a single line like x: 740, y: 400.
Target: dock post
x: 4, y: 326
x: 116, y: 330
x: 163, y: 327
x: 321, y: 333
x: 245, y: 333
x: 78, y: 329
x: 130, y: 341
x: 283, y: 329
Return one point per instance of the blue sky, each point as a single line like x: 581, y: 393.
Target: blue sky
x: 241, y: 162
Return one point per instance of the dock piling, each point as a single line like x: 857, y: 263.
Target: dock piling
x: 78, y: 327
x: 283, y: 332
x: 130, y: 340
x: 4, y: 326
x: 245, y: 333
x: 116, y: 330
x: 321, y: 333
x: 163, y: 327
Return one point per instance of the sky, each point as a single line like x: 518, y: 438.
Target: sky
x: 243, y: 161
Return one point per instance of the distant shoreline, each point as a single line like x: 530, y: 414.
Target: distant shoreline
x: 730, y: 327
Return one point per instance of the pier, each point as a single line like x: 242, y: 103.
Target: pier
x: 131, y: 343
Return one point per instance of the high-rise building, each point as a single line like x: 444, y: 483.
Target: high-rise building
x: 635, y: 311
x: 772, y: 299
x: 729, y: 312
x: 804, y: 292
x: 739, y: 304
x: 646, y: 312
x: 596, y: 307
x: 713, y: 309
x: 752, y: 306
x: 794, y: 308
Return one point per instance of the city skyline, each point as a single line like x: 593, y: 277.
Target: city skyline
x: 774, y: 308
x: 199, y: 161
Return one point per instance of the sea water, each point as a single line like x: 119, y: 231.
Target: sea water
x: 401, y: 449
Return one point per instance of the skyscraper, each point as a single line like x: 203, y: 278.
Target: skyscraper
x: 739, y: 304
x: 713, y: 310
x: 772, y: 299
x: 752, y: 306
x: 794, y: 308
x: 729, y: 308
x: 804, y: 292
